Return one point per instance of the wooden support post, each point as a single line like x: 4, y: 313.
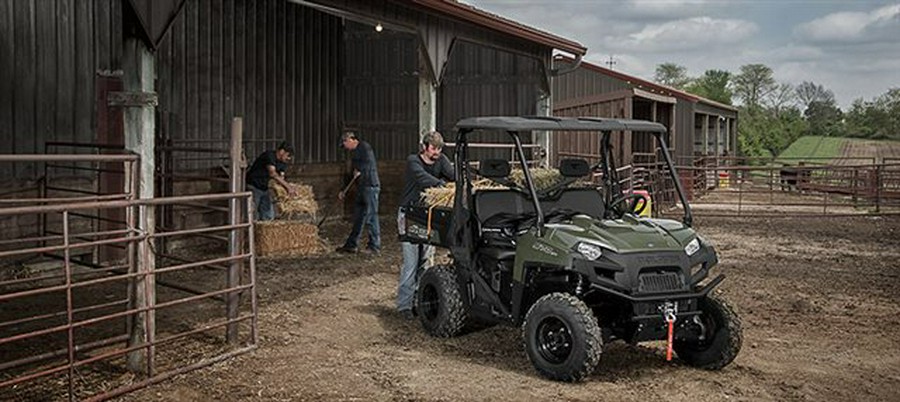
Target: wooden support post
x: 706, y: 135
x: 140, y: 103
x: 427, y: 101
x: 235, y: 238
x: 542, y: 138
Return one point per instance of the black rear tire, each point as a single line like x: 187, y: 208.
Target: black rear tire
x: 562, y: 337
x: 439, y: 302
x: 723, y: 337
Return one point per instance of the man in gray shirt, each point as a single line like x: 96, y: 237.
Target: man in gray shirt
x: 428, y: 168
x: 365, y: 208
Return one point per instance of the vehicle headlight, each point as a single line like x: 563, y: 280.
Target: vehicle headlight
x: 692, y: 247
x: 589, y: 251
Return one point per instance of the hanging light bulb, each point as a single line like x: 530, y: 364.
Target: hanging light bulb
x: 378, y: 27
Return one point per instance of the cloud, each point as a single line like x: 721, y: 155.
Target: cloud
x: 663, y: 9
x: 684, y: 35
x: 879, y: 25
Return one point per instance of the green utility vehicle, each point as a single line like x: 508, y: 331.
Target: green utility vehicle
x: 574, y: 266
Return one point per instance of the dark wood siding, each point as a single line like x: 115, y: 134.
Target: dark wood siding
x: 484, y: 81
x: 381, y: 88
x: 49, y: 53
x: 274, y: 63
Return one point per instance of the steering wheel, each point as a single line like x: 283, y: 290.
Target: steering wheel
x: 635, y: 199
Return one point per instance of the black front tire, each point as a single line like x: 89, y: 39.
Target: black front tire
x: 722, y: 337
x: 562, y: 337
x: 439, y: 302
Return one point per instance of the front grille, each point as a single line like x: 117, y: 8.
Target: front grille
x: 660, y: 282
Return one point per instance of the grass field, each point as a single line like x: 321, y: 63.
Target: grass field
x: 821, y: 150
x: 814, y: 149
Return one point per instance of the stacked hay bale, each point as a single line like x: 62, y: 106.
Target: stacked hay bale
x: 295, y: 232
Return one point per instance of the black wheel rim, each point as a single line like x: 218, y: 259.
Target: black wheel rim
x: 429, y: 304
x: 554, y: 340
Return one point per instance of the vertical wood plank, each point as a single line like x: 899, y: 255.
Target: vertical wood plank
x: 7, y: 85
x: 292, y: 73
x: 45, y: 85
x: 240, y: 33
x: 26, y: 80
x: 204, y: 71
x: 84, y: 69
x: 192, y: 73
x: 281, y: 69
x: 271, y: 48
x: 117, y: 35
x: 251, y: 60
x: 227, y: 45
x: 102, y: 35
x: 65, y: 73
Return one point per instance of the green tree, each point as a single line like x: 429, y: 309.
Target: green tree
x: 713, y: 84
x: 824, y: 118
x: 754, y: 83
x: 809, y: 92
x: 672, y: 74
x: 877, y: 119
x: 763, y: 133
x: 781, y: 97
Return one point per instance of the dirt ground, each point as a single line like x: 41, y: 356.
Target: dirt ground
x: 870, y: 149
x: 818, y: 299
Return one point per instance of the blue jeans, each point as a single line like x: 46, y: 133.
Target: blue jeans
x: 415, y: 257
x: 365, y: 213
x: 262, y: 203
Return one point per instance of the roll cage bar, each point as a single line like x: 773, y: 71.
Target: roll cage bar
x: 515, y: 125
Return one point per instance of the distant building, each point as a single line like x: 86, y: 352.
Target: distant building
x: 697, y: 126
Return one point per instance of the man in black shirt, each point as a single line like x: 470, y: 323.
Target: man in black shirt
x: 269, y: 165
x: 428, y: 168
x: 365, y: 208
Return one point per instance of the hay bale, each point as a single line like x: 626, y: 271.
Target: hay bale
x: 443, y: 196
x: 543, y: 178
x: 288, y: 238
x: 303, y: 206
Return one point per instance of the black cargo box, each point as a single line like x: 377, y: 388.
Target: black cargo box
x: 424, y: 225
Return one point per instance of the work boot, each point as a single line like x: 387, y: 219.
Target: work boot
x: 346, y: 250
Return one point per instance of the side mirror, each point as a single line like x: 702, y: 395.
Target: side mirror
x: 494, y: 168
x: 574, y: 168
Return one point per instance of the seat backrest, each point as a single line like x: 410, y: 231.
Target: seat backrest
x: 587, y: 201
x: 489, y: 203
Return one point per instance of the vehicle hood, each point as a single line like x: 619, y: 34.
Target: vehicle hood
x: 627, y: 235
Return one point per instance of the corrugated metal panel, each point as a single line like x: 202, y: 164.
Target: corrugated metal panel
x: 583, y: 82
x: 484, y: 81
x: 274, y: 63
x: 49, y: 51
x: 438, y: 32
x: 684, y: 132
x: 581, y: 145
x: 381, y: 88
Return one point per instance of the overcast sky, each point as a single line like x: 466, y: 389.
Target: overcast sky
x: 850, y: 47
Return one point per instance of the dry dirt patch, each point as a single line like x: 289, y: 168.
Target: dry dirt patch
x: 818, y: 300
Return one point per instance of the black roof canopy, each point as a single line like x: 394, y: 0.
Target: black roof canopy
x: 550, y: 123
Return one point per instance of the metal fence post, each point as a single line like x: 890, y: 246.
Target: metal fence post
x: 878, y: 172
x: 235, y: 238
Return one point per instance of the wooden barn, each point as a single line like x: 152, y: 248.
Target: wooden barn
x: 119, y: 139
x: 697, y: 126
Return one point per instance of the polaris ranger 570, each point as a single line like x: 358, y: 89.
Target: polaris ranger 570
x: 575, y: 266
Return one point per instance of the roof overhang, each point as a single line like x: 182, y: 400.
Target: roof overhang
x: 646, y: 85
x: 495, y: 22
x: 549, y: 123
